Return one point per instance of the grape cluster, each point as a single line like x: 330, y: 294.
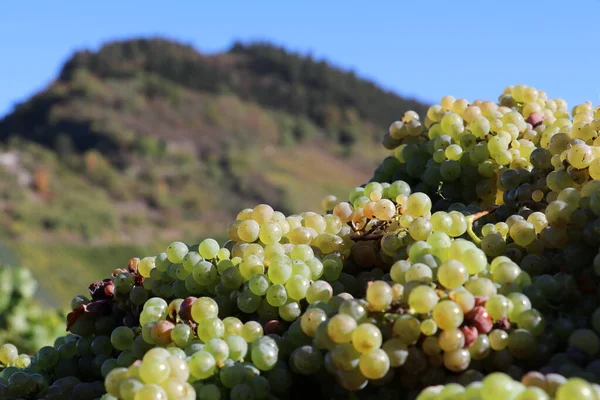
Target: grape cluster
x: 467, y: 268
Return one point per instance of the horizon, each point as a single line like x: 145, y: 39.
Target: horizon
x: 420, y: 51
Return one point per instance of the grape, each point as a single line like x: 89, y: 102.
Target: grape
x: 374, y: 364
x: 122, y: 338
x: 447, y: 315
x: 452, y: 274
x: 237, y: 347
x: 422, y: 299
x: 341, y: 328
x: 366, y: 337
x: 176, y: 251
x: 154, y: 370
x: 204, y: 308
x: 8, y: 353
x: 202, y: 364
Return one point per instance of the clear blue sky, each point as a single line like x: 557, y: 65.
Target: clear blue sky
x: 420, y: 48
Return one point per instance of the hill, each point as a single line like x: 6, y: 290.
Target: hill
x: 148, y: 140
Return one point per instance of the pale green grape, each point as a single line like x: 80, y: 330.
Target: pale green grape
x: 277, y: 295
x: 341, y: 327
x: 251, y: 331
x: 407, y: 328
x: 150, y: 392
x: 311, y: 319
x: 379, y: 295
x: 296, y: 287
x: 451, y: 340
x: 452, y: 274
x: 422, y: 299
x: 238, y: 347
x: 176, y: 252
x: 447, y: 315
x: 154, y: 370
x: 210, y: 328
x: 374, y: 364
x: 202, y: 365
x: 366, y: 337
x: 498, y: 307
x: 204, y: 308
x: 280, y: 269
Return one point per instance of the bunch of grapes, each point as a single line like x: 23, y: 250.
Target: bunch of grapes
x: 468, y: 268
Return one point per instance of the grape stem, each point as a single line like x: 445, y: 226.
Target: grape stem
x: 472, y: 218
x: 370, y: 235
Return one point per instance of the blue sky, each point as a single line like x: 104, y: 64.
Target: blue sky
x: 418, y: 48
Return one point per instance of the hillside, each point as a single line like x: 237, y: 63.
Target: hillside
x: 147, y: 140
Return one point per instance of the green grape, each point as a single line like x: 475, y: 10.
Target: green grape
x: 210, y: 328
x: 218, y: 348
x: 396, y: 350
x: 374, y: 364
x: 296, y: 287
x: 418, y: 204
x: 8, y: 353
x: 533, y: 393
x: 316, y: 268
x: 150, y: 392
x: 290, y: 311
x: 176, y: 252
x: 447, y: 315
x: 407, y: 328
x: 258, y: 284
x: 419, y: 272
x: 154, y: 370
x: 264, y: 356
x: 341, y: 327
x: 306, y: 360
x: 302, y: 252
x: 422, y: 299
x: 498, y: 339
x: 451, y: 340
x: 366, y: 337
x: 521, y: 344
x: 498, y: 307
x: 575, y: 388
x: 248, y: 230
x: 202, y: 365
x: 379, y: 295
x: 280, y: 269
x: 251, y: 331
x: 128, y: 387
x: 480, y: 349
x: 204, y: 308
x: 428, y: 327
x: 463, y: 298
x: 319, y: 291
x: 520, y: 303
x: 452, y: 274
x: 474, y: 260
x: 277, y: 295
x: 238, y: 347
x: 481, y: 287
x: 122, y: 338
x: 311, y: 320
x: 250, y: 266
x: 501, y: 386
x: 457, y: 360
x: 586, y: 340
x: 420, y: 228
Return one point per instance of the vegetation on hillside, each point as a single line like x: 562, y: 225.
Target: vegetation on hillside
x: 146, y: 140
